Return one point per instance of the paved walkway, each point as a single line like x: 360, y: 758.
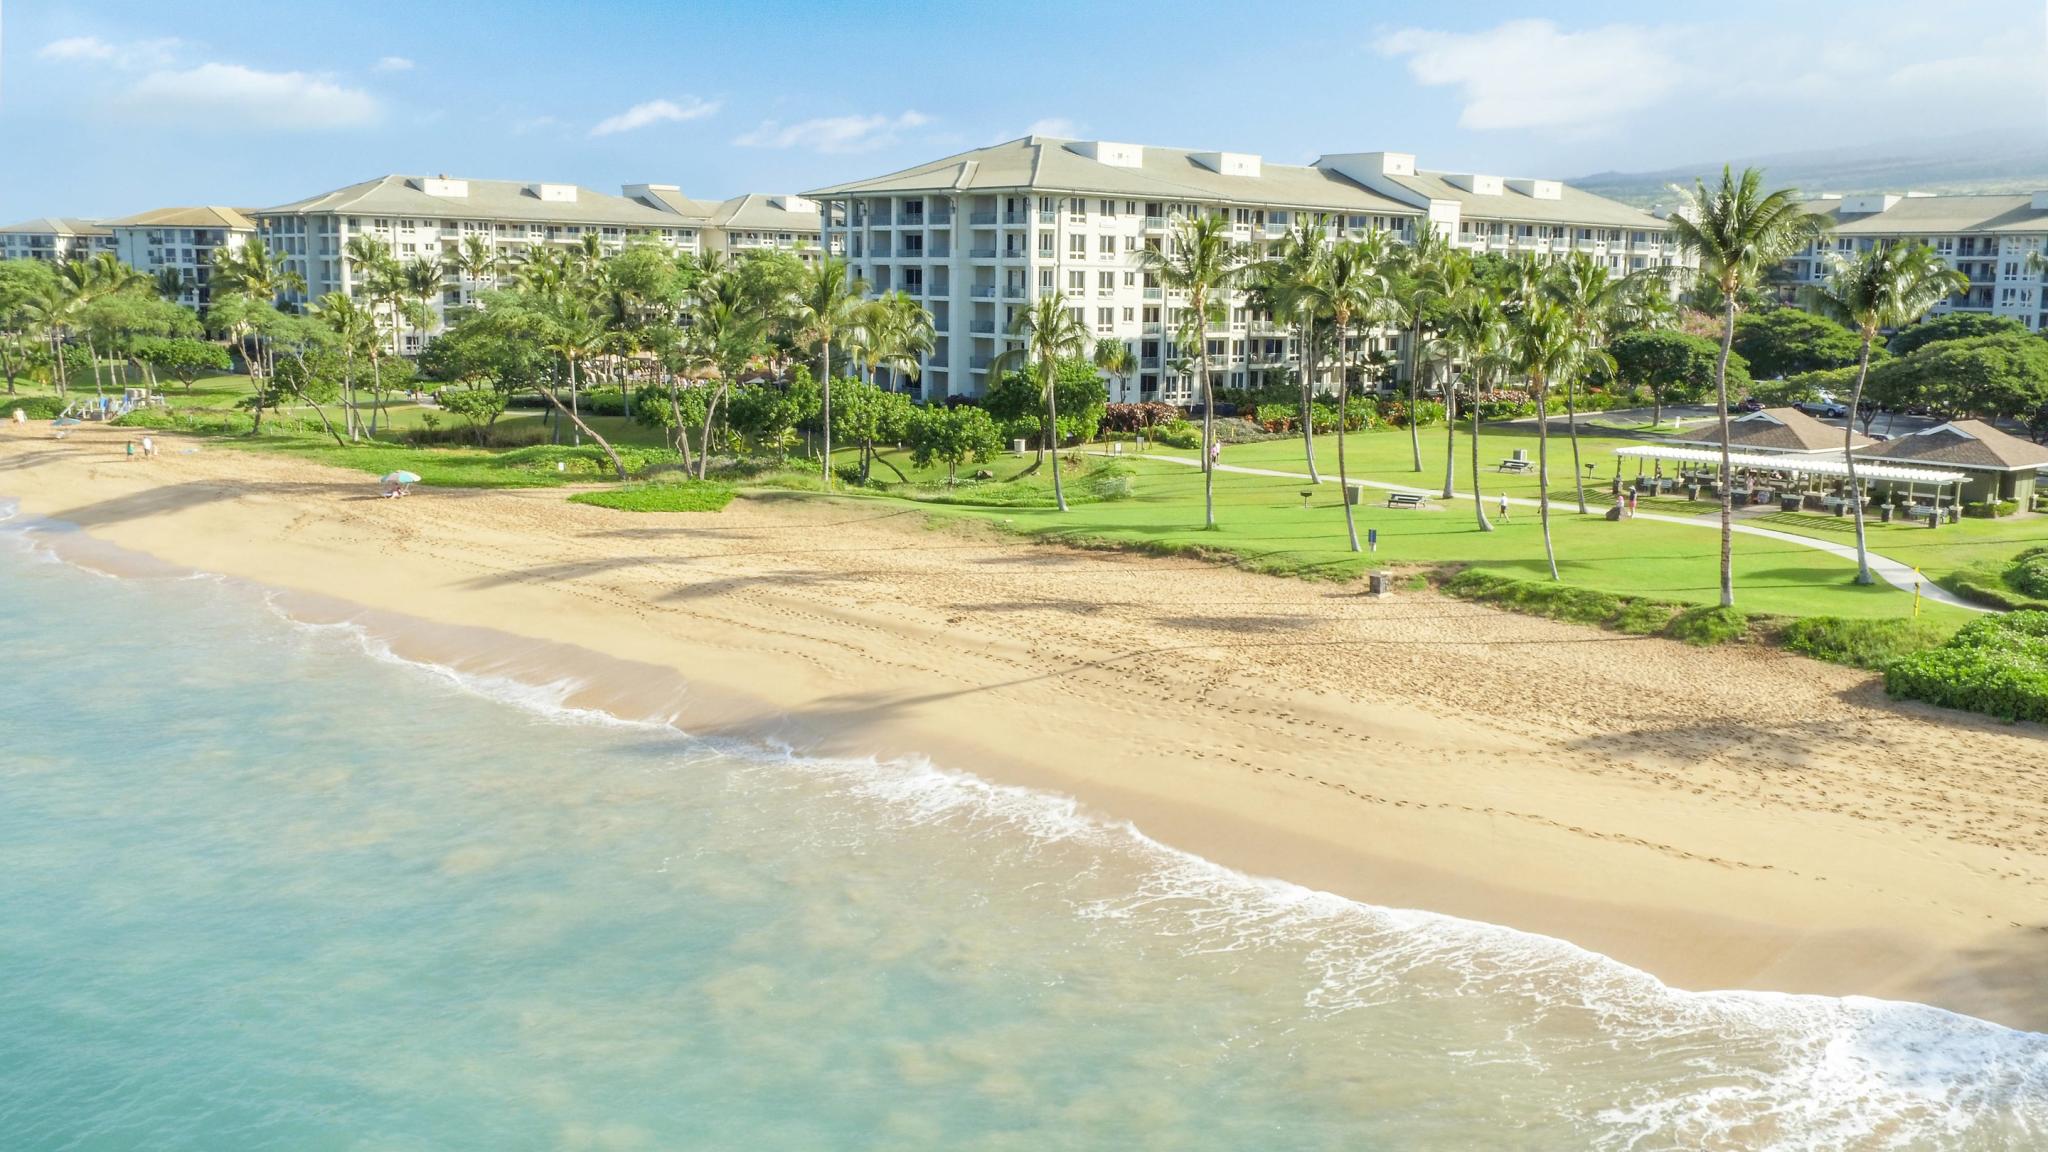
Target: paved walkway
x: 1884, y: 567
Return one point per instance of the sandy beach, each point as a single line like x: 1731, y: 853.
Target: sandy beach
x: 1720, y: 818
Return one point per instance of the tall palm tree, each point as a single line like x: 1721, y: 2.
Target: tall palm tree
x: 374, y: 276
x: 576, y: 335
x: 256, y: 273
x: 1447, y: 281
x: 421, y: 278
x: 1285, y: 286
x: 1888, y: 286
x: 904, y: 336
x: 1048, y: 332
x: 1117, y: 361
x: 356, y: 329
x: 1420, y: 271
x: 1201, y: 261
x: 827, y: 304
x: 1478, y: 329
x: 1738, y: 233
x: 1599, y: 304
x: 472, y: 261
x: 1355, y: 288
x: 1545, y: 347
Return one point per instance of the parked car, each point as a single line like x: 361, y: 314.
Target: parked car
x: 1828, y: 408
x: 1751, y: 404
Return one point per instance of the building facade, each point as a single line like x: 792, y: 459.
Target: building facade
x: 980, y: 235
x: 436, y: 218
x: 1987, y: 238
x: 55, y: 239
x: 181, y: 241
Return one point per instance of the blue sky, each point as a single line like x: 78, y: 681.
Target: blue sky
x: 114, y: 107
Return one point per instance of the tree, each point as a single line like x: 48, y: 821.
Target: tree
x: 1675, y: 367
x: 867, y: 414
x: 900, y: 334
x: 23, y: 284
x: 421, y: 278
x: 1545, y: 345
x: 952, y: 436
x: 1738, y: 233
x: 182, y: 358
x: 478, y: 405
x: 1477, y: 328
x: 1420, y: 287
x: 1047, y: 332
x: 1285, y: 285
x: 826, y: 306
x: 1354, y: 288
x: 472, y: 261
x: 1786, y: 341
x: 1991, y: 376
x: 1886, y: 286
x: 1950, y: 326
x: 1202, y: 262
x: 1596, y: 305
x: 1117, y: 361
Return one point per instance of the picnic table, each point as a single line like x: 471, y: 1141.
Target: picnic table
x: 1405, y: 500
x: 1515, y: 466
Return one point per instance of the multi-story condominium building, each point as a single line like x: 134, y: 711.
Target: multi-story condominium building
x: 979, y: 235
x: 181, y: 240
x: 433, y: 217
x: 1987, y: 238
x: 55, y: 239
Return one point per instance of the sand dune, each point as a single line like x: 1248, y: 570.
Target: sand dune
x: 1721, y: 818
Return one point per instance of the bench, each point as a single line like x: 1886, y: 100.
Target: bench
x: 1405, y: 500
x: 1514, y: 466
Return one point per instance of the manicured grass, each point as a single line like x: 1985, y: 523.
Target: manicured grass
x: 1862, y: 643
x: 544, y: 466
x: 664, y: 495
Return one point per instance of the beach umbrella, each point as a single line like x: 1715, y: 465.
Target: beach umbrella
x: 400, y: 478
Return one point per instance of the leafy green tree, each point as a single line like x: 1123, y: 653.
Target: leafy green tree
x: 183, y: 359
x: 1786, y: 341
x: 1991, y: 376
x: 826, y: 307
x: 1544, y: 344
x: 1738, y: 234
x: 1674, y: 367
x: 1286, y: 286
x: 24, y: 287
x: 1950, y: 326
x: 1354, y: 288
x: 477, y: 405
x: 1115, y: 358
x: 952, y: 436
x: 1048, y: 332
x: 866, y: 415
x: 1598, y: 305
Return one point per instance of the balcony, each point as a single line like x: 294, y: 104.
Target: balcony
x: 938, y: 252
x: 1148, y: 362
x: 979, y: 363
x: 983, y: 292
x: 1274, y: 231
x: 879, y: 250
x: 982, y: 219
x: 912, y: 220
x: 1048, y: 217
x: 879, y: 220
x: 1153, y: 327
x: 981, y: 253
x: 982, y: 327
x: 940, y: 218
x: 1014, y: 217
x: 1155, y: 224
x: 1155, y: 293
x: 1013, y: 291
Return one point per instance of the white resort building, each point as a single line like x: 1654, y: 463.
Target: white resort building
x: 979, y: 235
x: 433, y: 217
x: 1986, y: 237
x: 55, y: 239
x: 181, y: 240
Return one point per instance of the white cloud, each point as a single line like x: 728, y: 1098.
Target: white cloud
x: 1531, y: 74
x: 833, y: 133
x: 133, y: 54
x: 236, y: 96
x: 655, y: 112
x: 391, y: 64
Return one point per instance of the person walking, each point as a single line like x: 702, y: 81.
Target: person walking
x: 1503, y: 507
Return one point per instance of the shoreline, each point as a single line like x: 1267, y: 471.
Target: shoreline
x: 1271, y: 727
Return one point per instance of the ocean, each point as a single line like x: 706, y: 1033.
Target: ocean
x: 265, y: 886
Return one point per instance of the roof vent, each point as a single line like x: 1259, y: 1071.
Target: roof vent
x: 1227, y: 163
x: 1538, y: 189
x: 2041, y: 201
x: 554, y: 193
x: 443, y: 186
x: 1476, y: 184
x: 1114, y: 155
x: 1864, y: 205
x: 651, y: 194
x: 792, y: 204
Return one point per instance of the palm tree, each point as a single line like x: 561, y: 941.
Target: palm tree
x: 576, y: 335
x: 1545, y: 347
x: 904, y: 335
x: 375, y: 274
x: 1738, y: 233
x: 827, y: 305
x: 1354, y: 288
x: 1420, y: 273
x: 1285, y: 285
x: 255, y: 272
x: 1117, y: 361
x: 1447, y: 282
x: 356, y: 329
x: 1598, y: 305
x: 1048, y: 332
x: 421, y: 281
x: 1204, y: 263
x: 1478, y: 329
x: 1888, y: 286
x: 472, y: 261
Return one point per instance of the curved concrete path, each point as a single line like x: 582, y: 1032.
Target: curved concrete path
x: 1891, y: 571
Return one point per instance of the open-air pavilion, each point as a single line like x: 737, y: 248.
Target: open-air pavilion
x: 1797, y: 483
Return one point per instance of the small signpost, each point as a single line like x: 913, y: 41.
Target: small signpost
x: 1372, y: 540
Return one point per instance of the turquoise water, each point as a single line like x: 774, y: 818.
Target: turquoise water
x: 263, y: 889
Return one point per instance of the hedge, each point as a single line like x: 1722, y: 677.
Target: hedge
x: 1997, y: 666
x: 33, y: 407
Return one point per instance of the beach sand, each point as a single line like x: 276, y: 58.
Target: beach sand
x: 1720, y: 818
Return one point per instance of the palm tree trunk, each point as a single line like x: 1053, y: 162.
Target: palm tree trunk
x: 1052, y: 414
x: 1571, y: 412
x: 1848, y: 453
x: 1727, y: 469
x: 827, y: 384
x: 1343, y: 422
x: 1450, y: 436
x: 704, y: 441
x: 1208, y: 435
x: 617, y: 465
x: 1478, y: 502
x: 1308, y: 399
x: 1543, y: 471
x: 1415, y: 392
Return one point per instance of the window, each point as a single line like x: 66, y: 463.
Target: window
x: 1080, y: 315
x: 1077, y: 208
x: 1108, y: 208
x: 1106, y: 281
x: 1105, y: 317
x: 1106, y: 245
x: 1045, y: 279
x: 1130, y: 314
x: 1130, y: 243
x: 1130, y: 279
x: 1077, y: 246
x: 1151, y: 314
x: 1077, y: 281
x: 1045, y: 243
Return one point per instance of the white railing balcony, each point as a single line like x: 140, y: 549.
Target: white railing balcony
x: 1155, y: 224
x: 939, y: 217
x: 1048, y: 217
x: 1013, y: 291
x: 912, y: 220
x: 982, y: 219
x: 1014, y: 217
x: 982, y: 327
x: 983, y: 292
x: 1155, y: 293
x: 981, y: 253
x: 1273, y: 229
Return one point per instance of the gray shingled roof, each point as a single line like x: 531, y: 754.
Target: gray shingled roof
x: 1914, y: 215
x: 1054, y: 165
x: 1773, y: 430
x: 757, y: 212
x: 1963, y: 444
x: 487, y: 200
x: 204, y: 216
x: 1573, y: 205
x: 60, y: 226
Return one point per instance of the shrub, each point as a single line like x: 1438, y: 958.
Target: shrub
x: 1179, y: 434
x: 1131, y: 418
x: 2029, y: 572
x: 661, y: 495
x: 1708, y: 626
x: 515, y: 436
x: 33, y: 407
x: 2018, y: 583
x: 1394, y: 412
x: 1861, y: 643
x: 1997, y: 666
x: 1563, y: 602
x: 1991, y: 509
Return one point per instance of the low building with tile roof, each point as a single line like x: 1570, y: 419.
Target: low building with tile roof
x: 1783, y: 431
x: 1988, y: 238
x: 55, y: 239
x: 980, y: 234
x: 181, y: 241
x: 2001, y: 466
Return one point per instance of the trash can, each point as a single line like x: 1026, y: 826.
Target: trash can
x: 1352, y: 492
x: 1884, y: 513
x: 1380, y: 583
x: 1692, y: 492
x: 1789, y: 503
x: 1017, y: 447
